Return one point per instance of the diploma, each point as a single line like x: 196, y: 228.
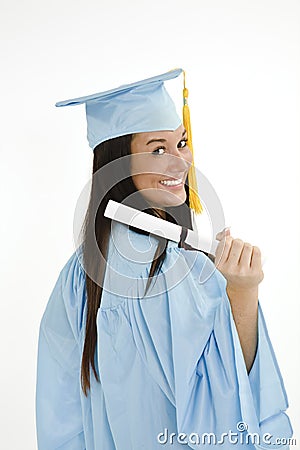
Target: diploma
x: 159, y: 227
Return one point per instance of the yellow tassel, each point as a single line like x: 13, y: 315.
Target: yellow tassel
x: 194, y: 199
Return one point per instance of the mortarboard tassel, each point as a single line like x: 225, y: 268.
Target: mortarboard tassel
x: 194, y: 199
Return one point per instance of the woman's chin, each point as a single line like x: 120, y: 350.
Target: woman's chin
x: 167, y: 201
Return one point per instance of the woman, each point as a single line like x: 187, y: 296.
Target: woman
x: 143, y: 343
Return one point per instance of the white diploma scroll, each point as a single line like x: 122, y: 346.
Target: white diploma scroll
x: 159, y: 227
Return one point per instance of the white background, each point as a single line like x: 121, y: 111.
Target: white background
x: 243, y: 68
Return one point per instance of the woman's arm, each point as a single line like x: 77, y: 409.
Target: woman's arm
x: 240, y: 263
x: 244, y: 306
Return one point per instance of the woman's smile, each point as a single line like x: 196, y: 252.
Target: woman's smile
x: 172, y: 183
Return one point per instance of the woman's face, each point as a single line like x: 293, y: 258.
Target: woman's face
x: 159, y: 166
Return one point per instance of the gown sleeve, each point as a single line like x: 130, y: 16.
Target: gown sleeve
x: 185, y: 336
x: 263, y: 385
x: 58, y: 405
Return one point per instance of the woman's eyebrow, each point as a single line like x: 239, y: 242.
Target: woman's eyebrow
x: 156, y: 140
x: 162, y: 140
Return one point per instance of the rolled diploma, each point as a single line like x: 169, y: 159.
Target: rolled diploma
x: 160, y: 227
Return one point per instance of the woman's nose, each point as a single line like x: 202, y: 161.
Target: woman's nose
x: 177, y: 161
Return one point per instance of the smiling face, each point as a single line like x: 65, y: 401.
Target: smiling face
x: 159, y: 166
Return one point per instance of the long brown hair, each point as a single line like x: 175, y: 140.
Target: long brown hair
x: 96, y: 232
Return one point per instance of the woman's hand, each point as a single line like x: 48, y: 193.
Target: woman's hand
x: 239, y: 262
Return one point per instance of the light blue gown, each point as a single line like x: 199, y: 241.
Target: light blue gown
x: 170, y: 362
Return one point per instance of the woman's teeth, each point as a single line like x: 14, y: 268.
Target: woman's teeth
x: 171, y: 182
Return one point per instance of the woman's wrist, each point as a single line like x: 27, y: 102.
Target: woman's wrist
x: 243, y: 301
x: 243, y: 293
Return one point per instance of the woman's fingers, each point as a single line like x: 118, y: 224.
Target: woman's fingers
x: 238, y: 261
x: 223, y: 247
x: 256, y: 258
x: 223, y: 233
x: 246, y: 255
x: 235, y: 252
x: 223, y: 250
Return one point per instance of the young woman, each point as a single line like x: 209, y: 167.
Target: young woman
x: 145, y: 344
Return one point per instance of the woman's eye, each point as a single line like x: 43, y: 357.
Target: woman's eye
x: 159, y: 151
x: 182, y: 143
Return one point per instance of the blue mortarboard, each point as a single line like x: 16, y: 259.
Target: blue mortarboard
x: 132, y: 108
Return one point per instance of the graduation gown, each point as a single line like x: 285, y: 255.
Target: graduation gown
x: 171, y: 368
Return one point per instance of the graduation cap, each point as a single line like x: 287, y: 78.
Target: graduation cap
x: 142, y: 106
